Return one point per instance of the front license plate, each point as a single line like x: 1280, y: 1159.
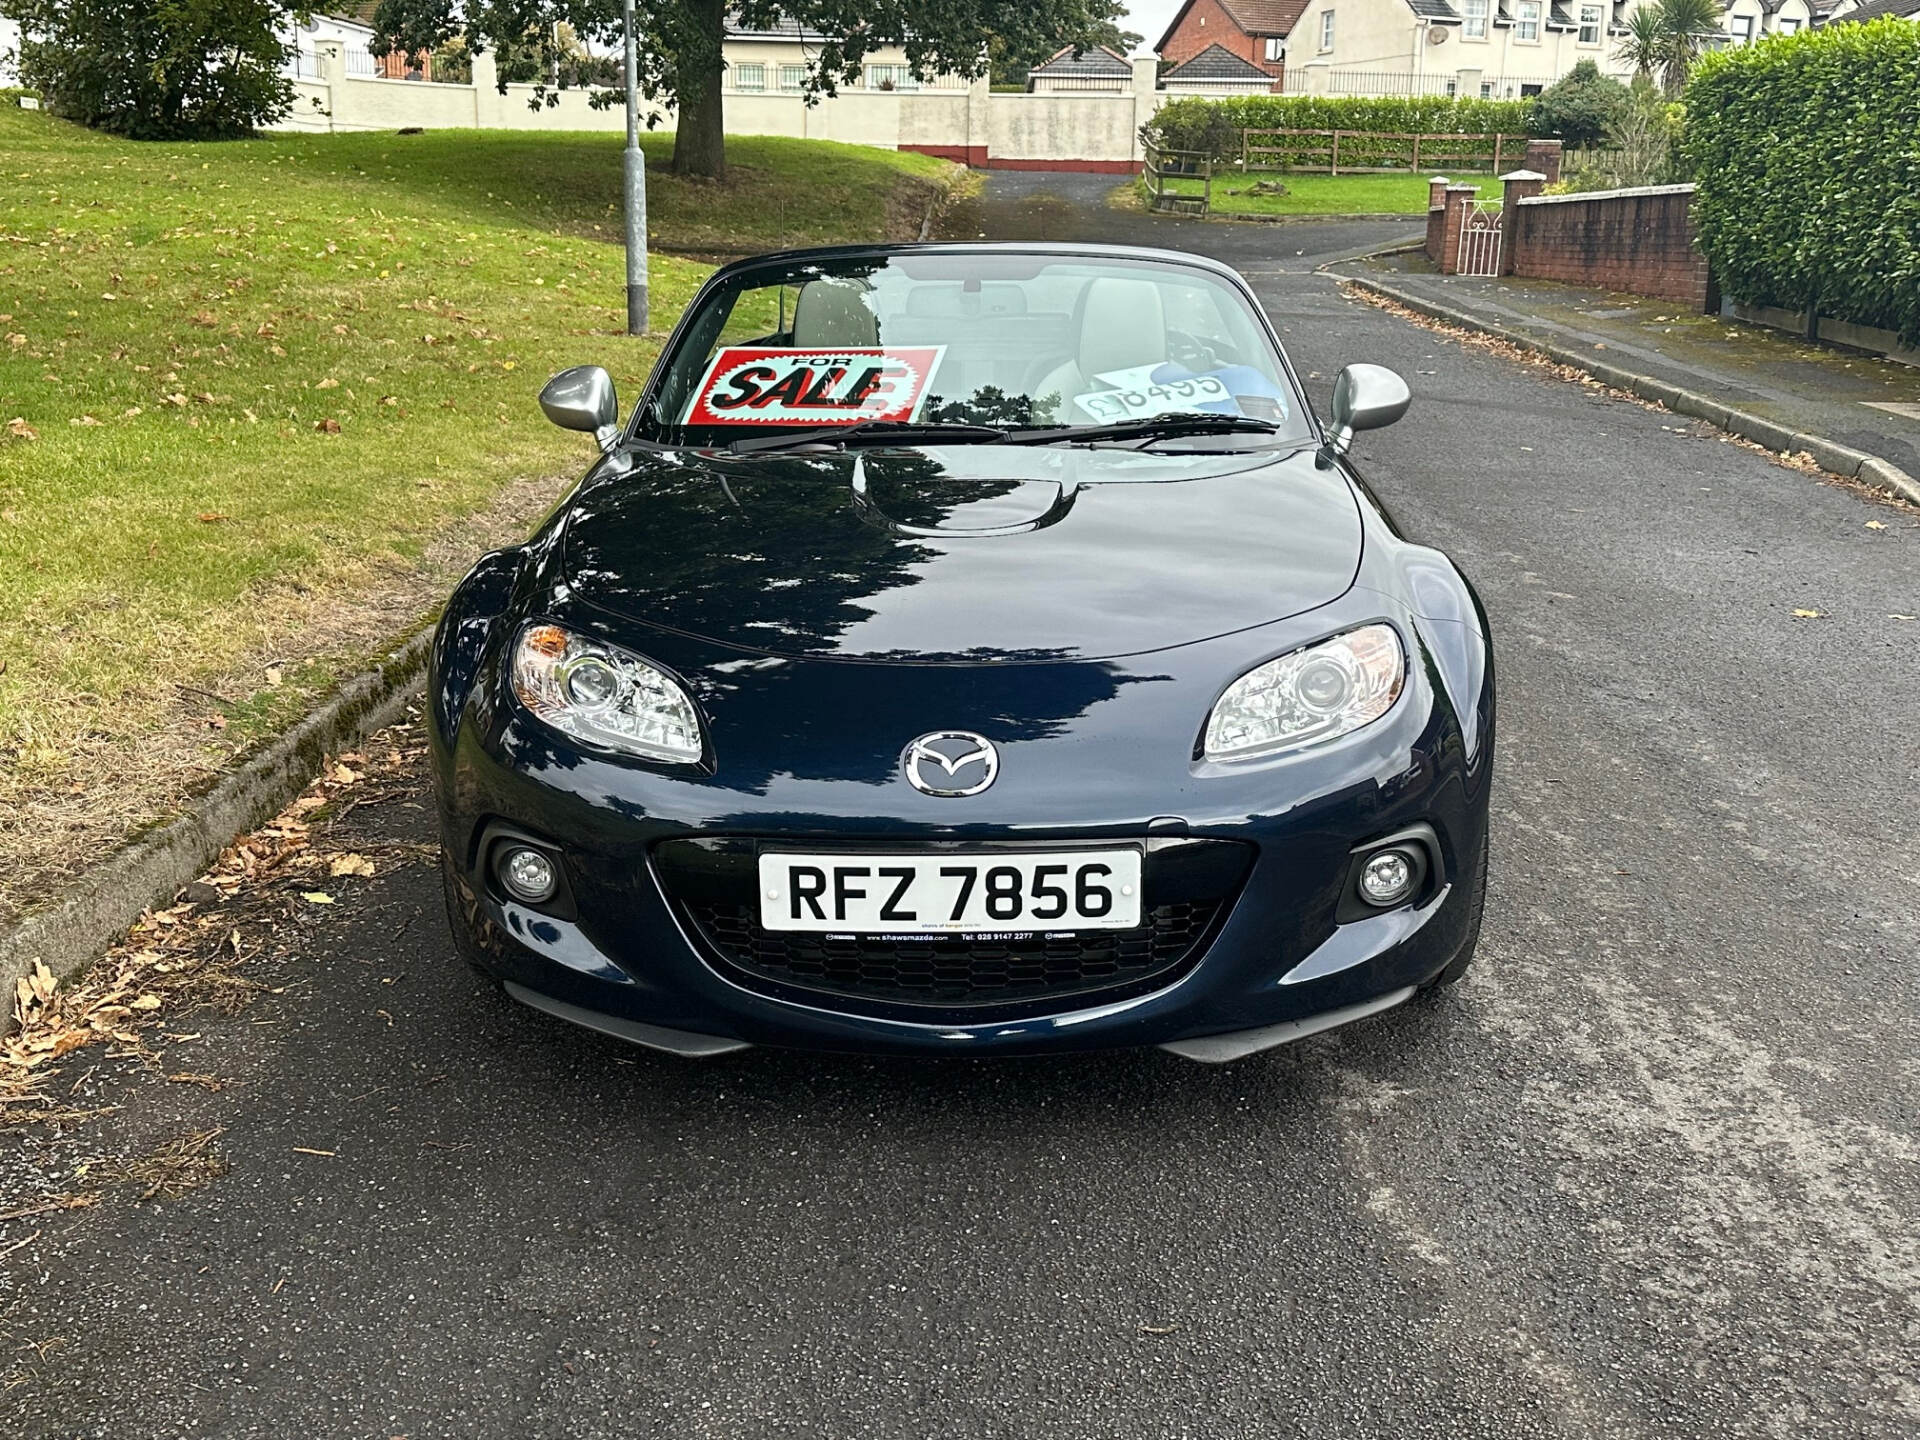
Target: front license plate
x: 953, y: 894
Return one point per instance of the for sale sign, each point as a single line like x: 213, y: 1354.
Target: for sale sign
x: 755, y: 385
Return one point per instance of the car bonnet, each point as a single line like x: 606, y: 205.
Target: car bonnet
x: 962, y: 554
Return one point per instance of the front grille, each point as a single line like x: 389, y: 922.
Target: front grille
x: 1189, y: 885
x: 956, y: 970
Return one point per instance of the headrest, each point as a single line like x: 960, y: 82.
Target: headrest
x: 1122, y: 324
x: 830, y: 313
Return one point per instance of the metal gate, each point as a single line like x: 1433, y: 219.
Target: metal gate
x: 1480, y: 237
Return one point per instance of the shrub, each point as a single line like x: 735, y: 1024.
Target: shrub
x: 1580, y: 107
x: 1806, y: 150
x: 1214, y: 126
x: 157, y: 69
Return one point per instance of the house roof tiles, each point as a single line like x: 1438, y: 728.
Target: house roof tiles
x: 1097, y: 61
x: 1254, y: 17
x: 1874, y: 9
x: 1216, y: 62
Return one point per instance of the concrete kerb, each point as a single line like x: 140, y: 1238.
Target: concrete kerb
x: 150, y: 869
x: 1831, y: 455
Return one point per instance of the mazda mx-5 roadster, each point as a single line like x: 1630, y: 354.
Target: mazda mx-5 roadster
x: 966, y: 650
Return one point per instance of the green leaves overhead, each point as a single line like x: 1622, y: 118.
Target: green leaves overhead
x: 158, y: 69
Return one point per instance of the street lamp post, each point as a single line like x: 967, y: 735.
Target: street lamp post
x: 636, y: 192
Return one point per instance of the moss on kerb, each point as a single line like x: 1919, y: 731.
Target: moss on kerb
x: 70, y: 930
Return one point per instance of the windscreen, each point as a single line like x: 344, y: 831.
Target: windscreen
x: 969, y: 338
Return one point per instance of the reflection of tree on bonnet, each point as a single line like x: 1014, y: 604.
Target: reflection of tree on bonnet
x: 772, y: 551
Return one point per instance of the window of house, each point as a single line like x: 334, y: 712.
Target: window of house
x: 1526, y: 22
x: 1326, y: 29
x: 1486, y: 89
x: 1476, y: 20
x: 1741, y: 27
x: 1589, y: 24
x: 1453, y: 86
x: 1789, y: 24
x: 749, y: 77
x: 793, y: 77
x: 890, y: 77
x: 1276, y: 48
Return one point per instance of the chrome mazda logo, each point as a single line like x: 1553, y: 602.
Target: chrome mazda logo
x: 951, y: 763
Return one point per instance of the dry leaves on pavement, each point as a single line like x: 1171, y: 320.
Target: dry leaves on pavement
x: 192, y: 954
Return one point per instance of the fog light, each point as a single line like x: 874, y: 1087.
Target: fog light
x: 528, y: 875
x: 1387, y: 878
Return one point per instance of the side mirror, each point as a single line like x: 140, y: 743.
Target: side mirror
x: 583, y: 398
x: 1365, y: 397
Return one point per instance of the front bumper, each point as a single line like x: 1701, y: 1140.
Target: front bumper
x: 1276, y: 965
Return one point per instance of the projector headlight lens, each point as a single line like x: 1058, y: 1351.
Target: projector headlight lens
x: 604, y: 695
x: 1310, y: 695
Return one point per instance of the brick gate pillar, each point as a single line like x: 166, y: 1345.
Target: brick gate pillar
x: 1518, y: 185
x: 1436, y: 215
x: 1460, y: 199
x: 1543, y: 156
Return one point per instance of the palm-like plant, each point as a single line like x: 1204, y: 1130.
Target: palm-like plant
x: 1645, y: 45
x: 1687, y: 27
x: 1666, y: 39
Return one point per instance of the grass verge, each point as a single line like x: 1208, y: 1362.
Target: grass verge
x: 261, y: 401
x: 1325, y: 194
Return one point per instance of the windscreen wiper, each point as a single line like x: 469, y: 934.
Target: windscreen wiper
x: 1185, y: 422
x: 883, y: 432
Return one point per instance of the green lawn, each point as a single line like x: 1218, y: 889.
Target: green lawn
x: 778, y: 192
x: 245, y: 388
x: 1327, y: 194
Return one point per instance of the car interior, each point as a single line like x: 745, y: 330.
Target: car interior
x: 1048, y: 338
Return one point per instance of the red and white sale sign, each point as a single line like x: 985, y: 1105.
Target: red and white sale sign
x: 756, y: 385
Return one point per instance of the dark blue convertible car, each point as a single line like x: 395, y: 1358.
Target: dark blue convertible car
x: 967, y: 650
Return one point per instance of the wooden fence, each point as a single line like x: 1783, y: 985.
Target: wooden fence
x: 1372, y: 152
x: 1162, y: 165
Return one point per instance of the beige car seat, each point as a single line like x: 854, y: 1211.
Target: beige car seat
x: 1122, y: 324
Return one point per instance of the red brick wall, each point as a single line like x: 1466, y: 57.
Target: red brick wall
x: 1191, y: 37
x: 1638, y: 243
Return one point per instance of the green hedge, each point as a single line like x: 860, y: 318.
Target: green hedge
x: 1807, y: 156
x: 1214, y: 126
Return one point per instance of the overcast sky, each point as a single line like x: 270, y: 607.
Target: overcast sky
x: 1150, y: 17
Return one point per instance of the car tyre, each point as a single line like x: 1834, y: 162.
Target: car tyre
x: 1463, y: 957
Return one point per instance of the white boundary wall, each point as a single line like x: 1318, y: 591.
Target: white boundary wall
x: 971, y: 124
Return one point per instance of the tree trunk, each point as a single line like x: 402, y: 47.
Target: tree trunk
x: 699, y: 139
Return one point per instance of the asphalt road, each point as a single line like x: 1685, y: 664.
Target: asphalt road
x: 1650, y: 1171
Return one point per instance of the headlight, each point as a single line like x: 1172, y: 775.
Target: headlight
x: 1310, y: 695
x: 604, y: 695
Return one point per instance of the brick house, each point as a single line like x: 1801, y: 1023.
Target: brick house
x: 1254, y: 30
